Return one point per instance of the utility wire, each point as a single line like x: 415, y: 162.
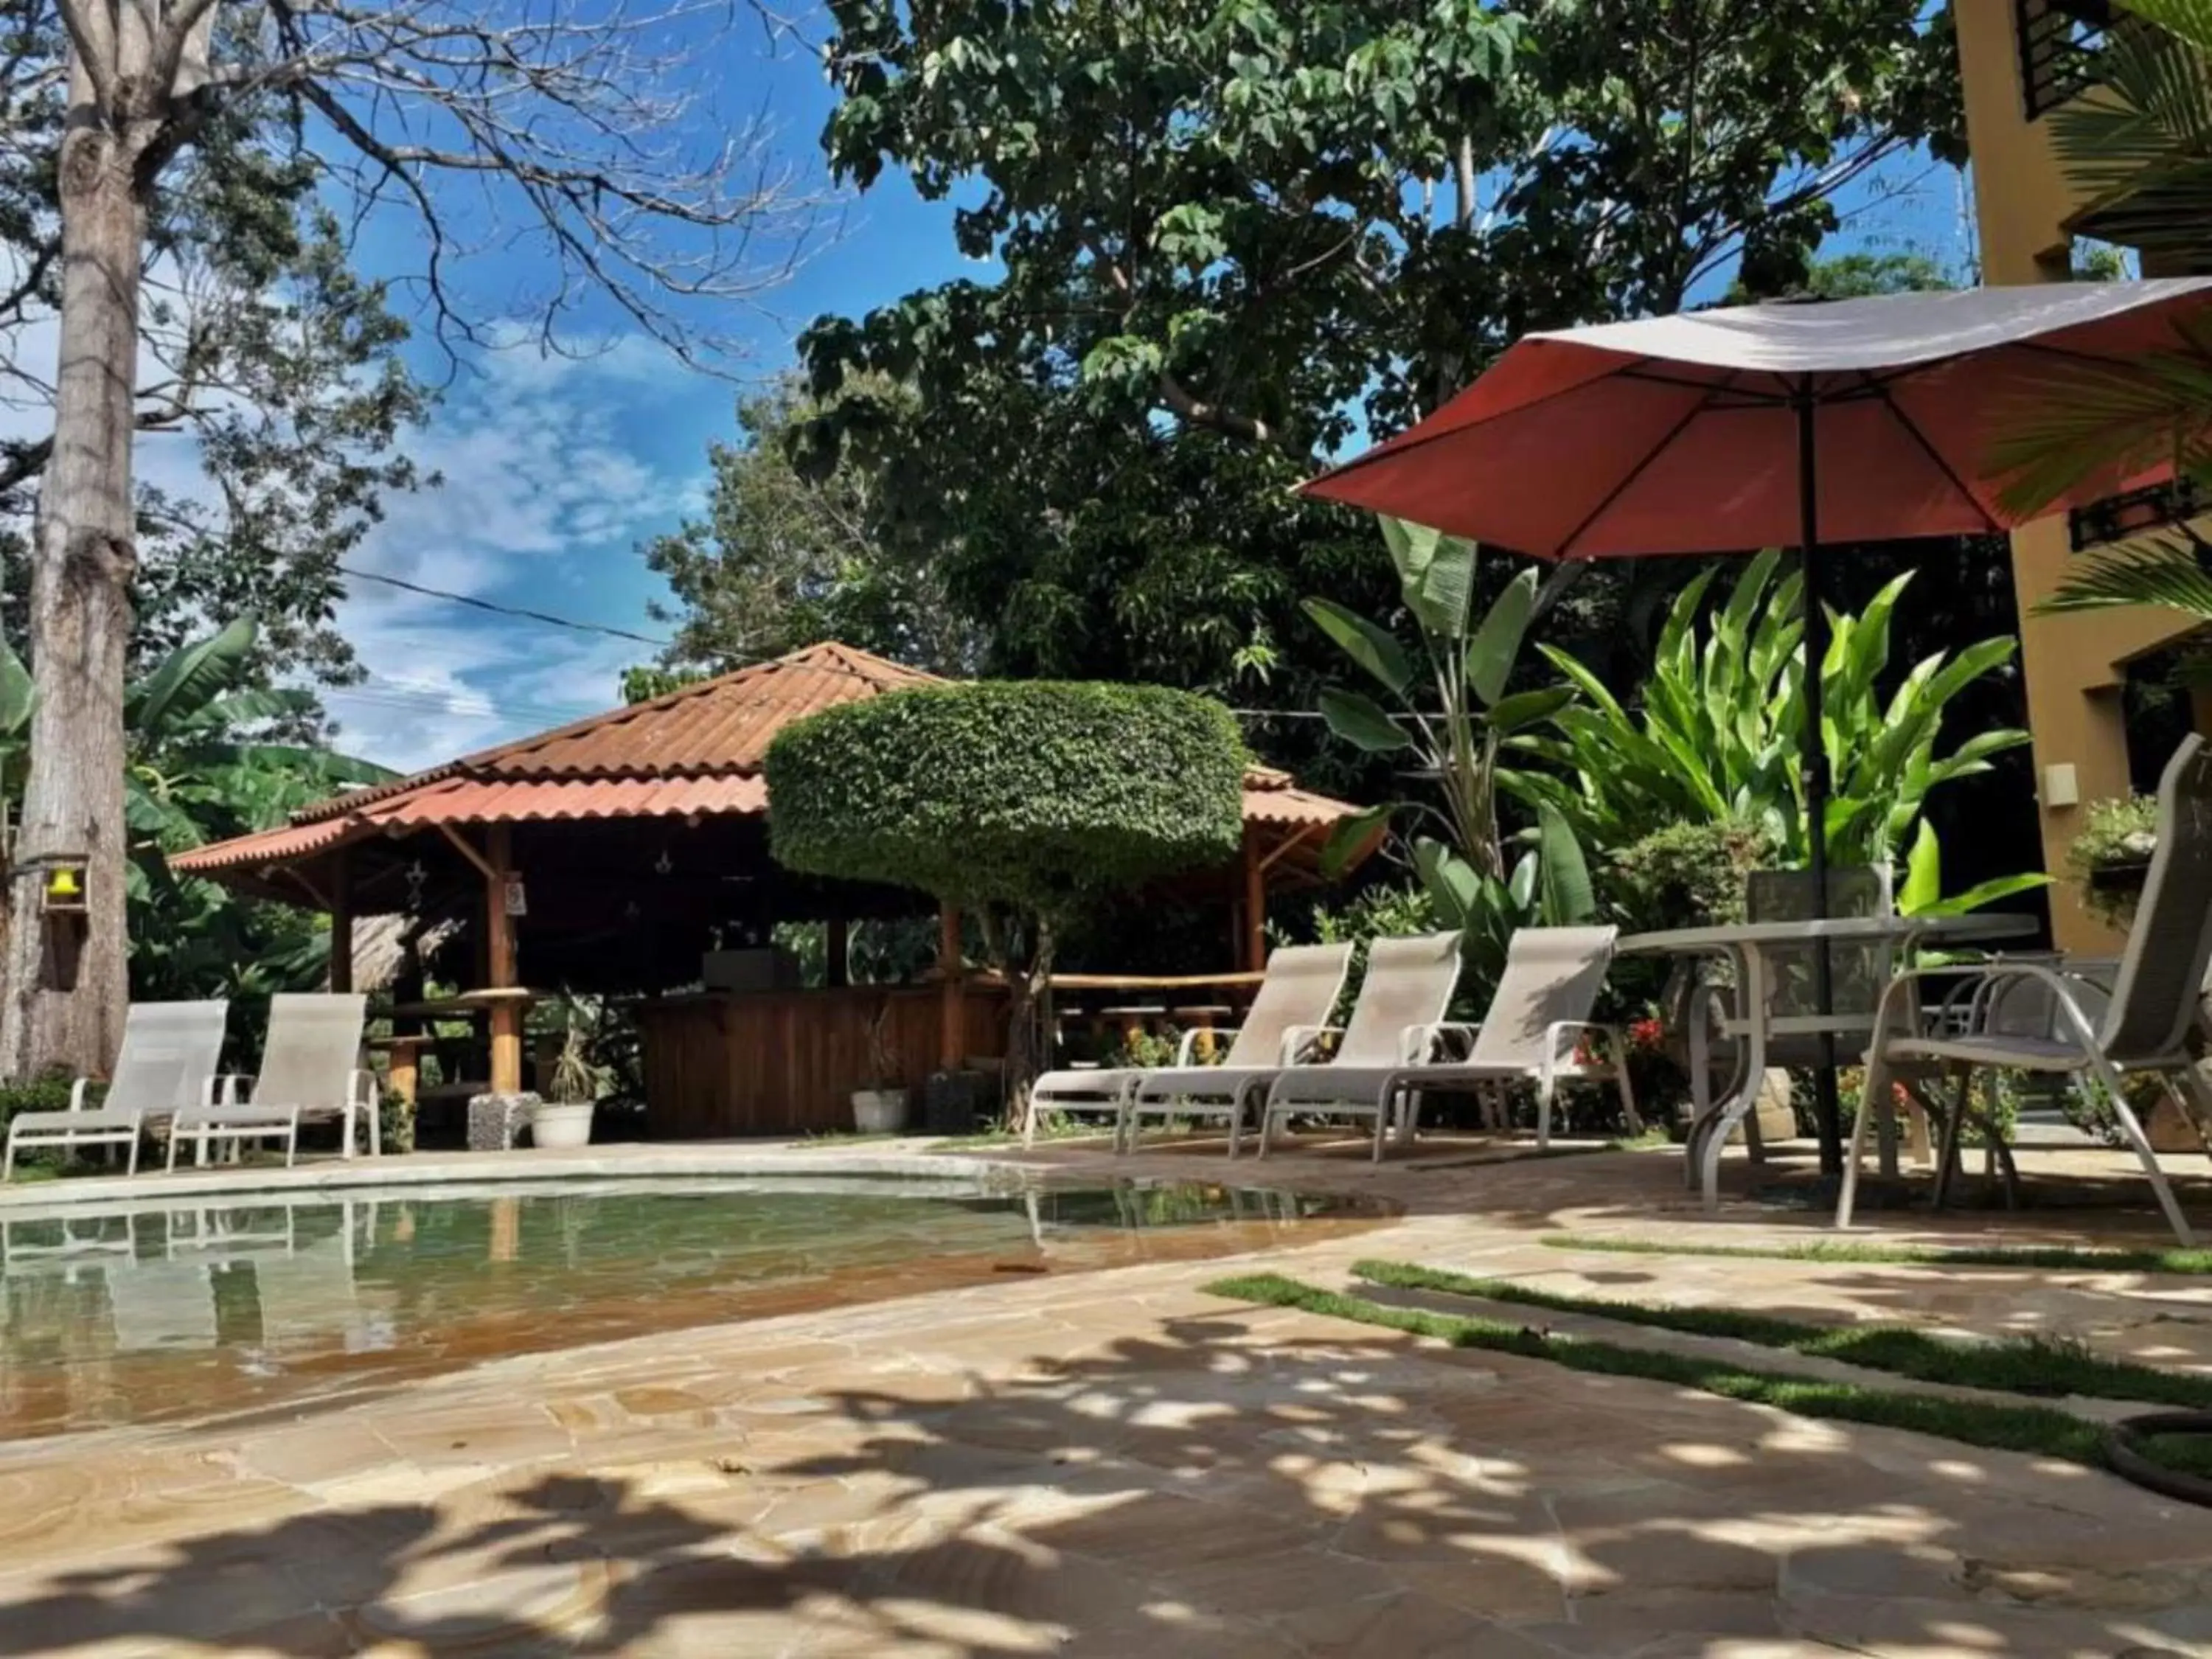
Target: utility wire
x: 549, y: 620
x: 498, y: 610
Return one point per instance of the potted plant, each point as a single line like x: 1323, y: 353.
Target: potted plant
x: 879, y: 1109
x: 564, y: 1118
x: 2109, y: 859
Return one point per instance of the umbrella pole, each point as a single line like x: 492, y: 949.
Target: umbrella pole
x: 1814, y: 752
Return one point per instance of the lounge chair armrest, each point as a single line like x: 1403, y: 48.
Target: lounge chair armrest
x: 365, y: 1088
x: 1299, y: 1041
x: 231, y: 1089
x: 77, y: 1093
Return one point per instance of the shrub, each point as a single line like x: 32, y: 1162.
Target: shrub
x: 1037, y: 794
x: 1687, y: 875
x: 1020, y: 802
x: 2107, y: 860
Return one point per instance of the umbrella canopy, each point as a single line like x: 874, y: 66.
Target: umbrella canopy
x: 1682, y: 434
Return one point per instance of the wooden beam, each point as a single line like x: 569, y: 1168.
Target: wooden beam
x: 499, y: 968
x: 489, y: 868
x: 1255, y: 905
x: 952, y: 1012
x: 341, y: 923
x: 839, y: 937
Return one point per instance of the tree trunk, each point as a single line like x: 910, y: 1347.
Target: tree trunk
x: 1026, y: 962
x: 65, y: 984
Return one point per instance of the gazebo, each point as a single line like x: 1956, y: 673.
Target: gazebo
x: 627, y: 854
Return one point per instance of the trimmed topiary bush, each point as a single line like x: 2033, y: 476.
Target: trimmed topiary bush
x: 1020, y: 802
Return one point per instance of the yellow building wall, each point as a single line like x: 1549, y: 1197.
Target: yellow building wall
x: 2075, y: 668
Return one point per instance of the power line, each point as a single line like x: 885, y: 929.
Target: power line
x: 547, y: 618
x: 498, y: 610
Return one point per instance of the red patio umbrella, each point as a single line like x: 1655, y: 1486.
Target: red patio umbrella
x: 1747, y: 427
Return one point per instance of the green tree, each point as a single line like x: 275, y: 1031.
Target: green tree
x: 784, y: 558
x: 1022, y: 804
x: 1240, y: 235
x: 266, y: 359
x: 502, y: 125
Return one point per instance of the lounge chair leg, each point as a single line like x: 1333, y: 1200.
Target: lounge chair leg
x: 1877, y: 1078
x: 1544, y: 1091
x: 2109, y: 1076
x: 1384, y: 1105
x: 130, y: 1167
x: 7, y: 1163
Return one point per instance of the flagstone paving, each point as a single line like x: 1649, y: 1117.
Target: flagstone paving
x: 1116, y: 1463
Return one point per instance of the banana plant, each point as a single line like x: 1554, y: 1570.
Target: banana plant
x: 1715, y: 738
x: 203, y: 765
x: 1450, y: 713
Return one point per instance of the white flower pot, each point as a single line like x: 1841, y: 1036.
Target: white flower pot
x: 552, y: 1125
x: 879, y: 1111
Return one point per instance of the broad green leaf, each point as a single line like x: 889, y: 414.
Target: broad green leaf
x: 1923, y: 872
x: 190, y: 676
x: 1496, y: 646
x: 1367, y: 643
x: 1361, y: 721
x: 1350, y: 837
x: 1982, y: 893
x: 1526, y: 708
x: 1567, y: 897
x: 15, y: 694
x: 1453, y: 886
x: 1446, y: 591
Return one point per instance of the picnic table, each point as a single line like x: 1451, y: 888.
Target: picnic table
x: 1752, y: 946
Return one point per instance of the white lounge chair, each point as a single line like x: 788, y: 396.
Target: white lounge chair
x: 1397, y: 1017
x: 1534, y: 1032
x: 1294, y: 1001
x: 310, y: 1069
x: 1408, y: 982
x: 2155, y: 1002
x: 171, y: 1052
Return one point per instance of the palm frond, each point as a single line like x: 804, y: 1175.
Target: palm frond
x: 2161, y: 570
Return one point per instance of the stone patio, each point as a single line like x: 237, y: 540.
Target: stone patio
x: 1115, y: 1463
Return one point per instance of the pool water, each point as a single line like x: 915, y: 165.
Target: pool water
x: 157, y: 1310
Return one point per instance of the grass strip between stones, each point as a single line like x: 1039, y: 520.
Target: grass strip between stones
x: 2031, y: 1365
x: 2056, y: 1257
x: 2039, y: 1431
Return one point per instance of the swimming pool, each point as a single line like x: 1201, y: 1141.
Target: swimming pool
x: 150, y: 1310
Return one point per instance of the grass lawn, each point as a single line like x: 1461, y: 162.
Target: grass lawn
x: 2028, y: 1366
x: 2055, y: 1257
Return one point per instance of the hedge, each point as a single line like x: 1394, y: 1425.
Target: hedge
x: 1032, y: 793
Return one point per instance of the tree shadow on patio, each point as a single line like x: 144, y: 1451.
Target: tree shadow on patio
x: 1252, y: 1484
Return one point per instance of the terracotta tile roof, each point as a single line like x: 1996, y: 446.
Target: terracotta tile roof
x: 696, y: 752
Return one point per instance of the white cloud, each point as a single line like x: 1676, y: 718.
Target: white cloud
x: 551, y: 476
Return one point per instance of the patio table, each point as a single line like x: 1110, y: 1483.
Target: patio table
x: 1747, y: 944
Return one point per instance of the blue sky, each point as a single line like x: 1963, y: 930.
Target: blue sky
x: 557, y: 469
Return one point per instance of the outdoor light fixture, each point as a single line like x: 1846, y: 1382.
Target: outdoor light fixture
x: 62, y: 888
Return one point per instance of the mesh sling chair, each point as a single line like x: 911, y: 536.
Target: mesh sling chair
x: 1294, y: 1001
x: 2145, y: 1027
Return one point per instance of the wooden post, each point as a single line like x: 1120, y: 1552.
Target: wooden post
x: 839, y: 973
x: 1256, y: 904
x: 499, y: 975
x: 341, y: 922
x: 952, y: 1024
